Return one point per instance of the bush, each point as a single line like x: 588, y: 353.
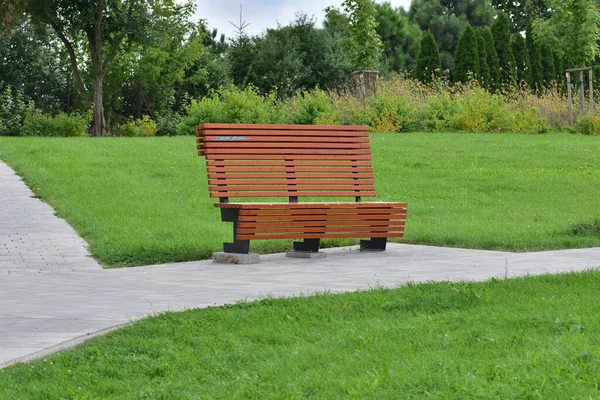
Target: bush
x: 314, y: 107
x: 481, y: 111
x: 528, y: 122
x: 144, y: 127
x: 389, y: 113
x: 166, y: 125
x: 588, y: 124
x: 13, y: 111
x: 438, y: 113
x: 234, y: 106
x: 40, y: 124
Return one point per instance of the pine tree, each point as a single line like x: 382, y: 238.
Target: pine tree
x: 523, y: 68
x: 548, y: 66
x: 484, y: 69
x: 501, y: 33
x: 536, y: 81
x: 492, y: 60
x: 429, y: 59
x: 466, y: 58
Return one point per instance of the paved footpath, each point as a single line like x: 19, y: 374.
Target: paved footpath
x: 53, y: 296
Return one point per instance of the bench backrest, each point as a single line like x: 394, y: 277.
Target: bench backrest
x: 286, y: 160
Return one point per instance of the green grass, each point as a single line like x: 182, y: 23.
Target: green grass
x: 142, y: 201
x: 524, y: 338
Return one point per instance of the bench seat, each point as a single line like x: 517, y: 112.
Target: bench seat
x: 318, y: 220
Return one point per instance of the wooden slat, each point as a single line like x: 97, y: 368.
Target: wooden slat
x: 283, y: 163
x: 215, y: 153
x: 321, y: 205
x: 315, y: 185
x: 216, y: 177
x: 375, y: 216
x: 275, y: 225
x: 334, y: 157
x: 290, y: 193
x: 324, y: 180
x: 247, y: 127
x: 295, y: 139
x: 214, y: 147
x: 336, y: 235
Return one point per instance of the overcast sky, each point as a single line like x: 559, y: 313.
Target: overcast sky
x: 263, y: 14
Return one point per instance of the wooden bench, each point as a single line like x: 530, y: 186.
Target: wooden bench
x: 294, y: 161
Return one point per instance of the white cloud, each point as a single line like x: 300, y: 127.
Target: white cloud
x: 263, y: 14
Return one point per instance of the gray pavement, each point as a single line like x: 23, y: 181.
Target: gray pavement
x: 53, y: 296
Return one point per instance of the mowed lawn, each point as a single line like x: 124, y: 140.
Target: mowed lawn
x: 142, y: 201
x: 528, y: 338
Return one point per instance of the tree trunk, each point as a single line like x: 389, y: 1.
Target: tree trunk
x: 98, y: 121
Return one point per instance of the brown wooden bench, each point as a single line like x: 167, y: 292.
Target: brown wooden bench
x: 293, y: 162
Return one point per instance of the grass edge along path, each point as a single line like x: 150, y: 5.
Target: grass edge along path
x: 141, y: 201
x: 531, y: 337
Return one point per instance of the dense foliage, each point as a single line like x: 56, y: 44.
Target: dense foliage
x: 156, y: 62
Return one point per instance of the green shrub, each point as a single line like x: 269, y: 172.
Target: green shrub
x: 233, y: 106
x: 13, y: 111
x: 166, y: 125
x: 389, y: 113
x: 588, y: 124
x: 40, y: 124
x: 481, y: 111
x: 315, y: 107
x: 144, y: 127
x: 438, y: 113
x: 528, y: 122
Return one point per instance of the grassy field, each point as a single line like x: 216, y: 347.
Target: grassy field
x: 142, y: 201
x: 524, y: 338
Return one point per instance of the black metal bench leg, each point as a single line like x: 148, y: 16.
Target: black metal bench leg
x: 238, y: 246
x: 375, y: 244
x: 309, y: 245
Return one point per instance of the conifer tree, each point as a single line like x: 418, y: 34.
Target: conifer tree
x: 548, y: 68
x: 501, y: 33
x: 523, y: 68
x: 536, y: 81
x: 429, y: 59
x: 492, y: 60
x: 466, y: 58
x: 484, y: 69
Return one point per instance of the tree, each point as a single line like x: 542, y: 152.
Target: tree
x: 506, y: 58
x: 93, y: 33
x: 399, y: 36
x: 298, y: 56
x: 155, y: 66
x: 446, y: 19
x: 31, y: 63
x: 358, y: 21
x: 536, y: 77
x: 522, y: 66
x: 484, y: 69
x: 429, y: 59
x: 572, y: 30
x: 522, y: 12
x: 466, y: 59
x: 492, y: 59
x: 548, y: 68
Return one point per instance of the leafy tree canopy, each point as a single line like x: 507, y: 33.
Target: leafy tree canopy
x: 573, y: 30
